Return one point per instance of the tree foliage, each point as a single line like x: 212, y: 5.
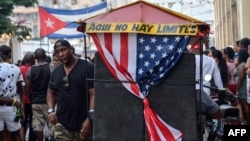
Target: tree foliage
x: 6, y: 25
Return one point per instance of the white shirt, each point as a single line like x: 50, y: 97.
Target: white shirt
x: 209, y: 67
x: 9, y: 75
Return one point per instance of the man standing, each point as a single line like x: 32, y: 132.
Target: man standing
x: 29, y: 60
x: 209, y: 67
x: 73, y: 94
x: 205, y: 104
x: 10, y: 86
x: 38, y: 79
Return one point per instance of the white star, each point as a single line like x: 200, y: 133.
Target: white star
x: 179, y: 50
x: 157, y: 63
x: 161, y: 75
x: 164, y: 55
x: 146, y: 63
x: 153, y: 40
x: 177, y: 38
x: 171, y: 47
x: 167, y: 62
x: 152, y: 56
x: 147, y: 48
x: 159, y: 47
x: 151, y: 70
x: 141, y: 40
x: 140, y: 71
x: 165, y: 39
x: 161, y: 68
x: 49, y: 23
x: 141, y: 56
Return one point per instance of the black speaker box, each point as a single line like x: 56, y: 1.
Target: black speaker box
x: 119, y: 115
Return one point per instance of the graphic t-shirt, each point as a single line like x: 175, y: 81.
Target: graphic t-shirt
x: 9, y: 75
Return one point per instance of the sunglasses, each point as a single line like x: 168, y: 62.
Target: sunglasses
x: 66, y: 82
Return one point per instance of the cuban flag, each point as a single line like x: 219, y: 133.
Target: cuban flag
x: 141, y: 61
x: 57, y: 23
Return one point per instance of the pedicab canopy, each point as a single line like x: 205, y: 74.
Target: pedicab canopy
x: 140, y: 43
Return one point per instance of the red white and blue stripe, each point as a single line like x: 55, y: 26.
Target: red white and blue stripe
x: 143, y: 61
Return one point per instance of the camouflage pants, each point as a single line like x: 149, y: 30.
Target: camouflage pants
x: 40, y: 117
x: 62, y: 134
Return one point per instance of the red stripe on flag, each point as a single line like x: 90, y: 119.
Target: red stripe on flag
x: 135, y: 89
x: 101, y: 53
x: 157, y: 128
x: 154, y: 122
x: 124, y: 52
x: 108, y: 42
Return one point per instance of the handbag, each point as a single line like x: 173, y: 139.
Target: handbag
x: 48, y: 132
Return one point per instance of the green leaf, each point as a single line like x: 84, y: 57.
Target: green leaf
x: 6, y: 8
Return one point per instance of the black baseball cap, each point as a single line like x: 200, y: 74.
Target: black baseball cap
x: 61, y: 42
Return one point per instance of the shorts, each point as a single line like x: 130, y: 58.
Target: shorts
x: 62, y: 134
x: 7, y: 115
x: 40, y: 116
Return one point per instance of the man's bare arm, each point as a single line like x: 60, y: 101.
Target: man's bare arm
x: 91, y: 99
x: 51, y: 98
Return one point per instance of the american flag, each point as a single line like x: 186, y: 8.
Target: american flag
x: 156, y: 57
x: 141, y: 61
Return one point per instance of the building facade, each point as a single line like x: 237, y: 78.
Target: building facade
x: 199, y: 9
x: 232, y: 21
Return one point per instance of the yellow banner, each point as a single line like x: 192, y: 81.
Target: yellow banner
x: 161, y: 29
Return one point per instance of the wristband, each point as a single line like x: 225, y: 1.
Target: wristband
x: 50, y: 110
x: 91, y: 114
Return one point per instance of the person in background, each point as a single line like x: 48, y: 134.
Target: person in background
x: 19, y: 63
x: 38, y: 79
x: 205, y: 104
x: 228, y: 55
x: 48, y: 59
x: 222, y: 65
x: 10, y: 86
x: 248, y: 77
x: 205, y: 52
x: 241, y: 84
x: 236, y: 49
x: 67, y: 89
x: 243, y: 44
x: 209, y: 68
x: 29, y: 60
x: 54, y: 63
x: 211, y: 49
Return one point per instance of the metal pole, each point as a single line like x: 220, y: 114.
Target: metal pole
x: 87, y: 90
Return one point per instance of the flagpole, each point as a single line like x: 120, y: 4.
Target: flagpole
x: 48, y: 47
x: 40, y: 42
x: 83, y: 25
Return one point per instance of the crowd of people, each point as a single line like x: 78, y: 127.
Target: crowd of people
x: 234, y: 67
x: 55, y: 93
x: 50, y: 93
